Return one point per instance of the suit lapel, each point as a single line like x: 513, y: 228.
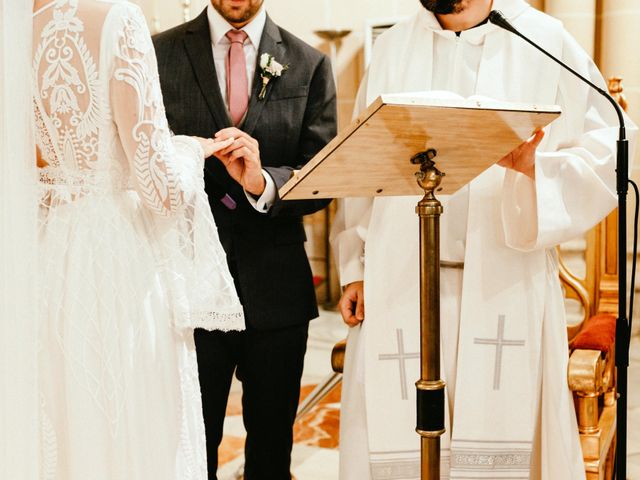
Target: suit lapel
x: 197, y: 43
x: 271, y: 43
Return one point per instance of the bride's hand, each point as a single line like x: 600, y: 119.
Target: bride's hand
x: 211, y: 146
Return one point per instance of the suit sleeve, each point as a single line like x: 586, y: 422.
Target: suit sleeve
x: 320, y: 127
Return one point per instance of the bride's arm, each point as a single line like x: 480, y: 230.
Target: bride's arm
x: 165, y: 168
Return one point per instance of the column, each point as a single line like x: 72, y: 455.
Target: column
x: 578, y: 17
x: 620, y: 35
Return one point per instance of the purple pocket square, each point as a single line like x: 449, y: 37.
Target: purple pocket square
x: 229, y: 202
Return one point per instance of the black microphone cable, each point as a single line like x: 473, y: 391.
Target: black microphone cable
x: 634, y: 260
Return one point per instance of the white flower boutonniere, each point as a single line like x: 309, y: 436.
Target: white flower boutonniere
x: 269, y: 69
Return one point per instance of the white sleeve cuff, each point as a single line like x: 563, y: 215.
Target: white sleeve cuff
x: 268, y: 197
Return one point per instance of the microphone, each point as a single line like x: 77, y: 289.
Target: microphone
x: 497, y: 18
x: 622, y: 186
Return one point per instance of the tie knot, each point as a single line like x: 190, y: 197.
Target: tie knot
x: 237, y: 36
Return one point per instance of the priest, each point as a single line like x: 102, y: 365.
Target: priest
x: 504, y: 344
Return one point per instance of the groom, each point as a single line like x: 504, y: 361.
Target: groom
x: 214, y: 82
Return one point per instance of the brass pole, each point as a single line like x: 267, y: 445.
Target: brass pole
x: 430, y: 394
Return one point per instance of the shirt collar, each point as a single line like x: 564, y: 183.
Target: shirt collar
x: 219, y: 27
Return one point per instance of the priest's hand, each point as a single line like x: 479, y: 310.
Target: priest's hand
x: 242, y: 160
x: 523, y: 158
x: 352, y: 304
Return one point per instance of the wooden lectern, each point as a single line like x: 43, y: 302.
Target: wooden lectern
x: 378, y: 155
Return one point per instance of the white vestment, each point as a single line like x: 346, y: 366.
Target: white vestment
x: 504, y: 343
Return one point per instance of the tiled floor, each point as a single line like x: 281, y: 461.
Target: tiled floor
x: 315, y: 455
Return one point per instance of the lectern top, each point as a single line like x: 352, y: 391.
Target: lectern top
x: 372, y: 156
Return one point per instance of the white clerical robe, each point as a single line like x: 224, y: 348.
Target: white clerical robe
x: 504, y: 343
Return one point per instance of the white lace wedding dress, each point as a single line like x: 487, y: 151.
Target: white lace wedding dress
x: 131, y: 261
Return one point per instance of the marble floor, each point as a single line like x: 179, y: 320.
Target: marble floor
x: 315, y: 454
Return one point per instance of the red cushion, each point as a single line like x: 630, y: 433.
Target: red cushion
x: 599, y: 333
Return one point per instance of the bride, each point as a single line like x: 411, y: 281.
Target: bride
x: 130, y: 260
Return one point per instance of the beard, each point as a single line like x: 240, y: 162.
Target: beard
x: 237, y: 13
x: 443, y: 7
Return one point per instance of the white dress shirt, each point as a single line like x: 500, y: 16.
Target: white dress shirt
x: 221, y: 45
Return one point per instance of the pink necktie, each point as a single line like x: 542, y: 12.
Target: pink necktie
x: 237, y: 82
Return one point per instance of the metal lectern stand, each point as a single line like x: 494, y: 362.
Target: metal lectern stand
x: 370, y: 158
x: 430, y: 388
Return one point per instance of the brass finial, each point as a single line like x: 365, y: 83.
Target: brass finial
x: 429, y: 177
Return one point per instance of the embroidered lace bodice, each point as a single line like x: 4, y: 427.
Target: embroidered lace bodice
x: 101, y: 124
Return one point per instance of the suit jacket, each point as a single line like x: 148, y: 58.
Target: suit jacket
x: 295, y: 121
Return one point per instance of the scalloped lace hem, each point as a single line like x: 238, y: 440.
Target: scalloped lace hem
x: 224, y: 322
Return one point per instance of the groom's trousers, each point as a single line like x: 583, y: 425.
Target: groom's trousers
x: 269, y: 364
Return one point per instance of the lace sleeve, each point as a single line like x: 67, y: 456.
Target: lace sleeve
x: 168, y: 174
x: 162, y: 173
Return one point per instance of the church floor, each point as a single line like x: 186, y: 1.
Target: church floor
x: 315, y: 454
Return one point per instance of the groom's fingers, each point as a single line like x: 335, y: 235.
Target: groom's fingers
x: 219, y: 145
x: 242, y: 152
x: 230, y: 132
x: 238, y: 144
x: 236, y: 133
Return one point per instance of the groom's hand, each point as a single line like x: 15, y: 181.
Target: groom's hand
x: 242, y: 160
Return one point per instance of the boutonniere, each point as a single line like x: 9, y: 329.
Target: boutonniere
x: 269, y: 69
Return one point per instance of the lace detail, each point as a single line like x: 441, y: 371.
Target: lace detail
x: 70, y: 88
x: 225, y: 322
x: 136, y: 79
x: 45, y: 142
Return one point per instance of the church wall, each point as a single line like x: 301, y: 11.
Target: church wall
x: 579, y: 17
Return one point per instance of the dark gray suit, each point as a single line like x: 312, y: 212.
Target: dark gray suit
x: 265, y: 251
